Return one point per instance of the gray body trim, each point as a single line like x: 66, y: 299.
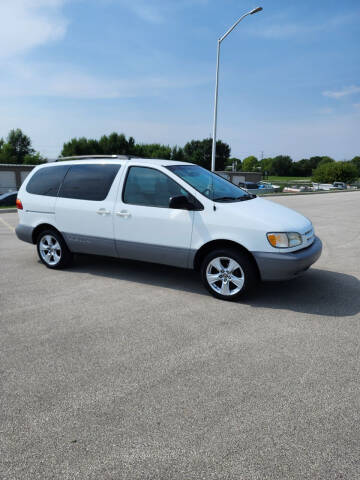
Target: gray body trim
x: 284, y: 266
x: 177, y: 257
x: 24, y: 233
x: 90, y: 245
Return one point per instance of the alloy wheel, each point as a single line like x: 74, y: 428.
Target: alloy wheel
x: 225, y: 276
x: 50, y: 250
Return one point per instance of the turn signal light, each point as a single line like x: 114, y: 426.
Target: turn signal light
x: 285, y: 240
x: 19, y: 204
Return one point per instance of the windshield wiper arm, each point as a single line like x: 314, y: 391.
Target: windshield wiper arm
x: 221, y: 199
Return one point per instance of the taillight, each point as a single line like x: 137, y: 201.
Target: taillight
x: 19, y: 204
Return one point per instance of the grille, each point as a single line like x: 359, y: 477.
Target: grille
x: 309, y: 237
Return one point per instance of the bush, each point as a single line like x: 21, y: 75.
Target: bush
x: 33, y: 159
x: 335, y: 172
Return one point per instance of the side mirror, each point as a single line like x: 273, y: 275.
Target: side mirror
x: 181, y: 202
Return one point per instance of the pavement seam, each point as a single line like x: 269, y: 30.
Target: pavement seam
x: 10, y: 227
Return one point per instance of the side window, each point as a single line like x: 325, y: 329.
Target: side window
x: 149, y: 187
x: 47, y: 181
x: 88, y: 182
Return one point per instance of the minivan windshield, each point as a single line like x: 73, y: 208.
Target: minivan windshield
x: 209, y: 184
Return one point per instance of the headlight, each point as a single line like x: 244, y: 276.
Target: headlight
x: 284, y: 240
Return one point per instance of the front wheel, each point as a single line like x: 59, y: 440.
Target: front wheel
x: 228, y: 274
x: 52, y: 250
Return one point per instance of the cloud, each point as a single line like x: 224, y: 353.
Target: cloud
x: 282, y: 27
x: 157, y: 11
x: 26, y: 24
x: 344, y: 92
x: 147, y: 11
x: 326, y: 111
x: 63, y: 81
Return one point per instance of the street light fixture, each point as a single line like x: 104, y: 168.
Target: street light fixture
x: 213, y: 153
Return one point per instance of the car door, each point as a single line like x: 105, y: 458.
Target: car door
x: 85, y: 206
x: 145, y: 227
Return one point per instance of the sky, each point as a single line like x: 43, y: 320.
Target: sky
x: 289, y: 75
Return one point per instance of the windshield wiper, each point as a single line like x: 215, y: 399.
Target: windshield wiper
x: 247, y: 197
x: 236, y: 199
x: 223, y: 199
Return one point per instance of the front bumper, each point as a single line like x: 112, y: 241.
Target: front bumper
x: 284, y: 266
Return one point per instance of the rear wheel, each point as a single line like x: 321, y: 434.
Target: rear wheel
x: 228, y: 274
x: 52, y: 250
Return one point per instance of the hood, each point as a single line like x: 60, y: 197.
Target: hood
x: 271, y: 216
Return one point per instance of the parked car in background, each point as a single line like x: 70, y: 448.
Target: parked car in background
x: 268, y: 185
x: 326, y: 187
x: 249, y: 185
x: 340, y: 185
x: 168, y: 212
x: 8, y: 199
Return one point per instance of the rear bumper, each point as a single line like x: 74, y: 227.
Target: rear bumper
x: 24, y: 233
x: 284, y: 266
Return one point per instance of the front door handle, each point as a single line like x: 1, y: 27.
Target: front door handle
x: 103, y: 211
x: 123, y: 214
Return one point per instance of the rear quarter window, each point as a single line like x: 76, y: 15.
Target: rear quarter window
x: 88, y: 182
x: 47, y: 181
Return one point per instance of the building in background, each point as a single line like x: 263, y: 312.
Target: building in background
x: 240, y: 177
x: 12, y: 176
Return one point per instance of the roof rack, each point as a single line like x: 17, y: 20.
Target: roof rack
x: 81, y: 157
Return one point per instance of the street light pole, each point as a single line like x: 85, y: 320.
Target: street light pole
x: 213, y: 153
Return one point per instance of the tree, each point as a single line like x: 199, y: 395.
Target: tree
x: 20, y: 144
x: 250, y: 164
x: 80, y: 146
x: 302, y: 168
x: 281, y: 166
x: 356, y: 161
x: 16, y: 147
x: 34, y: 159
x: 326, y: 160
x: 266, y: 164
x: 335, y: 172
x: 199, y: 152
x: 113, y: 144
x: 178, y: 154
x: 117, y: 144
x: 152, y: 150
x: 7, y: 154
x: 314, y: 162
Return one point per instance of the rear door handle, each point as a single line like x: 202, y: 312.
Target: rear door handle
x: 103, y: 211
x: 123, y: 214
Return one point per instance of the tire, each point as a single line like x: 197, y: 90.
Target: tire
x: 52, y: 250
x: 236, y: 273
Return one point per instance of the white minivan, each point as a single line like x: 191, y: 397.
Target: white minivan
x: 162, y: 211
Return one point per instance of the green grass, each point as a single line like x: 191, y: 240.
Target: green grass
x: 289, y: 179
x: 9, y: 207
